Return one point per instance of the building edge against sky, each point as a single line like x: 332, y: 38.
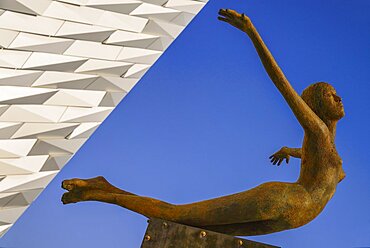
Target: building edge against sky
x: 64, y: 66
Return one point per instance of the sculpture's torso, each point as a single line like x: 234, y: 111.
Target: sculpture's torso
x: 321, y: 171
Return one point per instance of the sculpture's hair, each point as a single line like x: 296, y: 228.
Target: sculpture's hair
x: 313, y: 96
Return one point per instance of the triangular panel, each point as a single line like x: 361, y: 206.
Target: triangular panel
x: 64, y: 66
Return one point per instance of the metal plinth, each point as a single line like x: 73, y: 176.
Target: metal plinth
x: 165, y: 234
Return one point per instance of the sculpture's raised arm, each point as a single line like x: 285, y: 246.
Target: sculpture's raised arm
x: 306, y: 117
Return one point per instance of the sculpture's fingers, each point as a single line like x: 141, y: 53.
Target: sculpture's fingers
x: 232, y: 12
x: 223, y: 19
x: 244, y: 17
x: 275, y: 161
x: 271, y: 156
x: 224, y: 12
x: 287, y: 159
x: 280, y: 160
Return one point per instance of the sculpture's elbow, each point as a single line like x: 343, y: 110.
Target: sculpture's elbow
x: 342, y: 176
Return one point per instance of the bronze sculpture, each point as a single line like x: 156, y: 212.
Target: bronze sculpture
x: 269, y: 207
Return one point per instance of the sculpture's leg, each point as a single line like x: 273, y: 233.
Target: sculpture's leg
x: 143, y: 205
x: 153, y: 208
x: 257, y: 204
x: 98, y: 183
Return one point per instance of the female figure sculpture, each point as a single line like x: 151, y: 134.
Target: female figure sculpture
x: 269, y: 207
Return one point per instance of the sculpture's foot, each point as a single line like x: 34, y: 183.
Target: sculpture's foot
x: 95, y: 189
x: 99, y: 183
x: 80, y: 195
x: 72, y: 197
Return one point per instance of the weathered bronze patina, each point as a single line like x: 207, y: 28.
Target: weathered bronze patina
x: 269, y: 207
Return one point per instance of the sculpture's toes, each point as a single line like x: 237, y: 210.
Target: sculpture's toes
x: 74, y: 184
x: 92, y: 183
x: 71, y: 197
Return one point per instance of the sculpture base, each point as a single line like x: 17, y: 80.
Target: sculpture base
x: 166, y: 234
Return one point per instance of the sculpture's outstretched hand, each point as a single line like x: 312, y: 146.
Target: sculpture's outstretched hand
x: 279, y: 156
x: 237, y: 20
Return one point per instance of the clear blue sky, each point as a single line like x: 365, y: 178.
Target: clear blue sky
x: 203, y: 121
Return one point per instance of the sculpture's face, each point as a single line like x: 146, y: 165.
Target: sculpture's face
x: 322, y: 98
x: 332, y: 104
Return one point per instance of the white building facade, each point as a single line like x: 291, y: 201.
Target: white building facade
x: 64, y: 66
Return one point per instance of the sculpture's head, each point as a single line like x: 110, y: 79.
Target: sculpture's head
x: 323, y: 100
